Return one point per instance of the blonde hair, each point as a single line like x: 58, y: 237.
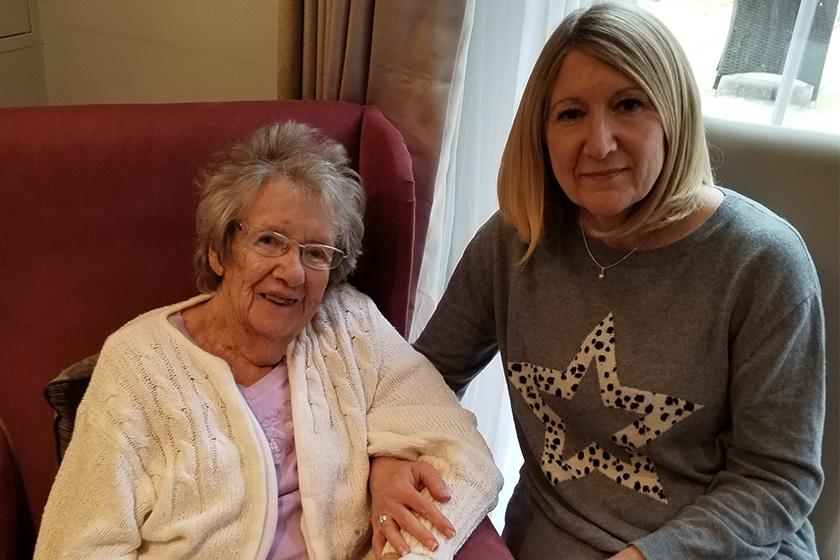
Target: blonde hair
x: 639, y: 45
x: 309, y: 160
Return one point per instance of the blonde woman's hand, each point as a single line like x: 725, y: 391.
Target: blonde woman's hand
x: 629, y: 553
x: 396, y: 501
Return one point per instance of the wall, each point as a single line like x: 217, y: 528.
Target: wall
x: 123, y: 51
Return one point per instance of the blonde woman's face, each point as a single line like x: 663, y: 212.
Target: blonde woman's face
x: 605, y: 139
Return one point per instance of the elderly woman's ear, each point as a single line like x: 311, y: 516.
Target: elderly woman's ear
x: 216, y: 262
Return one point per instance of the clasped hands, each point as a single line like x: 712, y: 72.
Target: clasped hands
x: 397, y: 500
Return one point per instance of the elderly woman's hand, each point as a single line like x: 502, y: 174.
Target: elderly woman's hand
x: 396, y: 498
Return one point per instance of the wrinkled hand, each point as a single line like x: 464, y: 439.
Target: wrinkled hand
x: 629, y: 553
x: 395, y: 487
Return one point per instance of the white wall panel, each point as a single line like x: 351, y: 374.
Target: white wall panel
x: 14, y: 17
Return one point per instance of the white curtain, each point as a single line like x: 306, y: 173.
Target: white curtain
x: 502, y: 46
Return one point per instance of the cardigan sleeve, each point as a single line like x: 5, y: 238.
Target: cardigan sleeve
x: 101, y: 494
x: 414, y: 415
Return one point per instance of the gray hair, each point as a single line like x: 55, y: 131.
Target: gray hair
x: 309, y: 160
x: 641, y: 46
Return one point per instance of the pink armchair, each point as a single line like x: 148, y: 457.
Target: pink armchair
x: 97, y: 227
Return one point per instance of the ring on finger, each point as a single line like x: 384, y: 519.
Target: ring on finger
x: 383, y: 518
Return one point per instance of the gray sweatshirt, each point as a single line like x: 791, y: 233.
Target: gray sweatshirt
x: 677, y: 404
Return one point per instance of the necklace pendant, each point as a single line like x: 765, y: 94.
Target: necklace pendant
x: 603, y: 269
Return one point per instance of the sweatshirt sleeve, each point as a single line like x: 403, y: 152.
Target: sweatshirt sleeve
x: 100, y: 494
x: 773, y: 474
x: 414, y: 415
x: 460, y: 338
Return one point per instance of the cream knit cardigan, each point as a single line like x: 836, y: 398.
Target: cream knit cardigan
x: 168, y: 462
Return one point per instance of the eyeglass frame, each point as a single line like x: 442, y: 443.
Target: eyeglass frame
x: 336, y: 252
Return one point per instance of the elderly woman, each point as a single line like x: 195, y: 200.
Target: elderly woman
x: 662, y: 336
x: 240, y: 423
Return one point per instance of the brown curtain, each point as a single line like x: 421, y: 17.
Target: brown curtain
x: 398, y: 55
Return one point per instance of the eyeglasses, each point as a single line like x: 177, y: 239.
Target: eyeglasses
x: 269, y: 243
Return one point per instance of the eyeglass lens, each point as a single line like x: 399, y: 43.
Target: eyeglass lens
x: 274, y: 244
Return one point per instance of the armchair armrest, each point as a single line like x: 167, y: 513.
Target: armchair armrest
x: 484, y: 543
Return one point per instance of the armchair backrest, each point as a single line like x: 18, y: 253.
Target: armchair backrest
x: 98, y: 226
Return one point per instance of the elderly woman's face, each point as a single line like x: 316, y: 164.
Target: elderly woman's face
x: 274, y: 298
x: 604, y: 137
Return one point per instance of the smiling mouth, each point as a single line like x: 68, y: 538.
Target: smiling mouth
x: 278, y: 300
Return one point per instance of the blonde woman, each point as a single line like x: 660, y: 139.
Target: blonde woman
x: 662, y: 337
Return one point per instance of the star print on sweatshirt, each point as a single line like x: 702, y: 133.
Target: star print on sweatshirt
x: 654, y: 414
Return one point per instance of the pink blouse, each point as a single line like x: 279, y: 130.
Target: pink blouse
x: 270, y: 400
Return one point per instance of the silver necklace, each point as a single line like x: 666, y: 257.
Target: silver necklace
x: 603, y: 268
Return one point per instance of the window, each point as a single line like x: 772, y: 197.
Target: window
x: 738, y: 50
